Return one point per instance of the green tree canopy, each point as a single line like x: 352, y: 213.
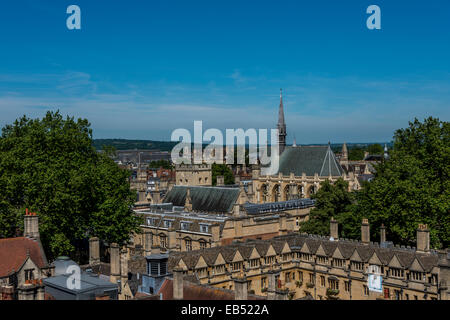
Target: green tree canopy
x: 51, y: 167
x: 375, y: 149
x: 355, y: 153
x: 412, y: 187
x: 222, y: 170
x: 332, y: 200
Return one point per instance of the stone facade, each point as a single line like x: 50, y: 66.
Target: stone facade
x: 315, y: 267
x: 193, y: 175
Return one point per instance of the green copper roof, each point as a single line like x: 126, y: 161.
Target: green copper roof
x: 309, y: 160
x: 205, y: 199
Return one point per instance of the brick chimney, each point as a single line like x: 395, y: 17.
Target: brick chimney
x: 115, y: 262
x: 240, y: 288
x: 382, y: 233
x: 334, y: 233
x: 94, y: 251
x: 423, y: 238
x: 7, y: 292
x: 365, y: 231
x: 31, y: 225
x: 177, y: 283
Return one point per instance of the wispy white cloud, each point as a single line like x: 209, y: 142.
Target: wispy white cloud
x: 317, y: 109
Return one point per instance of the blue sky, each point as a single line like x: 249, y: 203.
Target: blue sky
x: 140, y: 69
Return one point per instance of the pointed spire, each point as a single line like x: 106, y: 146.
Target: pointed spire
x: 295, y: 142
x: 281, y: 111
x: 281, y: 126
x: 386, y: 155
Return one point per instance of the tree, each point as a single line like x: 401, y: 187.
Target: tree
x: 222, y: 170
x: 332, y: 200
x: 375, y: 149
x: 412, y: 187
x: 51, y: 167
x: 355, y: 153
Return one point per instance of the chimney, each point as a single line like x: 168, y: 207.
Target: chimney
x: 272, y: 286
x: 423, y: 238
x: 94, y: 251
x: 7, y: 292
x: 147, y: 242
x: 188, y: 201
x: 334, y: 233
x: 382, y: 233
x: 31, y: 225
x: 115, y: 262
x: 240, y: 287
x: 220, y: 181
x: 177, y: 283
x: 123, y: 268
x: 365, y: 231
x: 215, y: 235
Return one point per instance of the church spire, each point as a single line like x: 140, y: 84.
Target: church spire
x: 281, y: 125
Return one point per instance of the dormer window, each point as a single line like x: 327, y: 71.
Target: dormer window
x: 204, y: 228
x: 340, y: 263
x: 168, y: 223
x: 396, y: 272
x: 151, y: 221
x: 185, y: 226
x: 322, y: 260
x: 355, y: 265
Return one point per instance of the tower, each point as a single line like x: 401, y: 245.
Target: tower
x: 344, y: 157
x: 281, y: 126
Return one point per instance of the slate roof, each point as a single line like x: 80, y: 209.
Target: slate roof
x: 204, y: 199
x: 14, y: 251
x: 309, y: 160
x: 406, y: 256
x: 256, y: 208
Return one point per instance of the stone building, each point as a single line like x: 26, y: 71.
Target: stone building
x: 301, y: 170
x: 193, y: 174
x: 23, y: 263
x: 308, y: 266
x: 211, y: 216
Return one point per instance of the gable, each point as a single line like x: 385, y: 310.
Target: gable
x: 271, y: 251
x: 219, y: 260
x: 355, y: 256
x: 305, y: 248
x: 201, y: 263
x: 237, y: 257
x: 286, y: 248
x: 320, y: 251
x: 254, y: 254
x: 374, y: 259
x: 395, y: 263
x: 416, y: 266
x: 182, y: 265
x: 337, y: 254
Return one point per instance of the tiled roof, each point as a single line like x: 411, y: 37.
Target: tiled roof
x: 205, y: 199
x: 295, y: 241
x: 309, y: 160
x: 14, y: 251
x: 193, y: 291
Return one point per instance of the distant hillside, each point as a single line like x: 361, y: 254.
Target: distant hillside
x: 124, y: 144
